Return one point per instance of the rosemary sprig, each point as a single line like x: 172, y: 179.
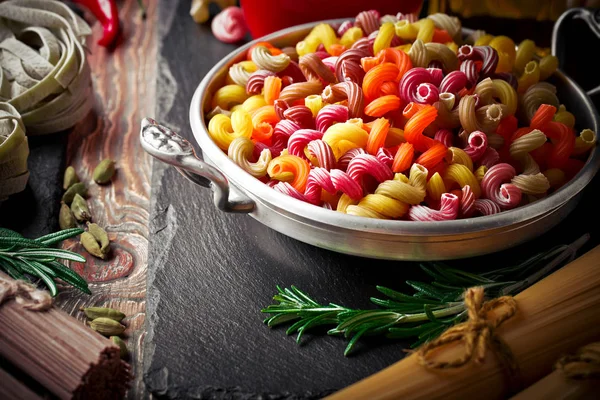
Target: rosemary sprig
x: 36, y: 257
x: 423, y: 315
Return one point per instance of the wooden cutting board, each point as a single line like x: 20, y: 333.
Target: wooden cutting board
x: 210, y: 273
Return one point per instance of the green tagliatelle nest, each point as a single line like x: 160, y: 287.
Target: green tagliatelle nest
x: 14, y: 151
x: 44, y: 72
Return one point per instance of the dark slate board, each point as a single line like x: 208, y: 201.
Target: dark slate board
x: 34, y: 212
x: 210, y: 272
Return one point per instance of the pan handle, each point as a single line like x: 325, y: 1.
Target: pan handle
x: 591, y: 18
x: 167, y: 146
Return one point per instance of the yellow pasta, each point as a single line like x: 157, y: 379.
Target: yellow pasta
x: 405, y: 30
x: 384, y: 37
x: 548, y: 66
x: 452, y: 46
x: 485, y: 90
x: 405, y: 47
x: 506, y: 52
x: 351, y: 36
x: 460, y: 157
x: 320, y: 34
x: 467, y: 115
x: 253, y: 103
x: 556, y: 177
x: 425, y: 29
x: 314, y: 102
x: 375, y: 204
x: 410, y: 192
x: 223, y: 130
x: 240, y: 150
x: 400, y: 177
x: 507, y: 95
x: 480, y: 172
x: 461, y: 175
x: 565, y: 117
x: 436, y: 187
x: 524, y: 54
x: 530, y: 77
x: 345, y: 136
x: 228, y: 96
x: 344, y: 202
x: 419, y: 55
x: 484, y: 40
x: 584, y: 142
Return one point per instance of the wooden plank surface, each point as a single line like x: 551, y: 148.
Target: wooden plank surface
x: 124, y: 87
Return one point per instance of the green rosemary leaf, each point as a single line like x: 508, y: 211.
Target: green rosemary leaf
x: 429, y: 314
x: 471, y: 278
x: 397, y: 306
x: 323, y: 319
x: 20, y: 241
x: 11, y: 268
x: 428, y: 336
x: 426, y: 290
x: 280, y: 319
x: 36, y: 265
x: 69, y: 276
x: 5, y: 232
x: 59, y: 236
x: 353, y: 342
x: 300, y: 294
x: 46, y: 279
x: 404, y: 298
x: 56, y: 253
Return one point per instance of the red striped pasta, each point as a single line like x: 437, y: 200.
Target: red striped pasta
x: 476, y: 145
x: 329, y: 115
x: 368, y: 21
x: 493, y: 186
x: 332, y: 182
x: 489, y: 158
x: 453, y: 82
x: 486, y: 207
x: 345, y: 159
x: 346, y: 90
x: 449, y: 205
x: 410, y: 82
x: 256, y: 81
x: 286, y: 188
x: 323, y: 153
x: 467, y: 202
x: 366, y: 164
x: 300, y: 139
x: 285, y: 128
x: 444, y: 136
x: 301, y: 115
x: 385, y: 156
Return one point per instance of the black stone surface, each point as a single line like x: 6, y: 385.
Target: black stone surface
x: 210, y: 272
x: 34, y: 212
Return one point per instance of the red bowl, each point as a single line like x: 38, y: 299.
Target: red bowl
x: 267, y: 16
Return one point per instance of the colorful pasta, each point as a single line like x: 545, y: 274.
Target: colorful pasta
x: 339, y: 119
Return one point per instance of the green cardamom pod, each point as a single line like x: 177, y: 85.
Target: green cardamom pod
x: 100, y: 235
x: 66, y: 219
x: 80, y: 208
x: 70, y: 178
x: 103, y: 312
x: 107, y: 326
x: 104, y: 171
x: 91, y: 245
x: 122, y: 346
x: 76, y: 188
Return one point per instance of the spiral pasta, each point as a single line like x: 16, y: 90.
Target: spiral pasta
x: 338, y: 119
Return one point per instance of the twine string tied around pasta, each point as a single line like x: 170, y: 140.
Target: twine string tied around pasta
x: 585, y: 364
x: 478, y: 333
x: 25, y: 294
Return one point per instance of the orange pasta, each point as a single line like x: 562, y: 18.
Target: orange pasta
x: 263, y: 120
x: 411, y: 109
x: 336, y: 49
x: 390, y: 88
x: 288, y: 166
x: 272, y: 89
x: 376, y: 77
x: 382, y: 105
x: 413, y: 131
x: 403, y: 158
x: 433, y: 156
x: 377, y: 135
x: 441, y: 36
x: 542, y: 116
x: 389, y: 55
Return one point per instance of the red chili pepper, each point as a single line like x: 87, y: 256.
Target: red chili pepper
x: 107, y: 14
